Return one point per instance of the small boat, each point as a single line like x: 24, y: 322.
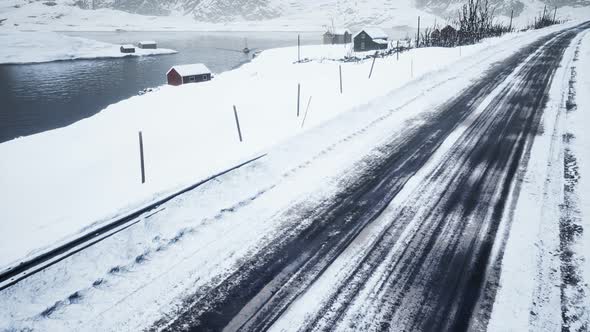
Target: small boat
x: 246, y: 50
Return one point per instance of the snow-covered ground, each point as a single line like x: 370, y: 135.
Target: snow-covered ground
x: 33, y: 47
x: 84, y: 174
x: 544, y: 243
x: 178, y: 140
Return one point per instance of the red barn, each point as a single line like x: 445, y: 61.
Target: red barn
x: 193, y: 73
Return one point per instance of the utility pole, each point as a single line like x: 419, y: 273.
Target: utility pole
x: 554, y: 14
x: 511, y: 16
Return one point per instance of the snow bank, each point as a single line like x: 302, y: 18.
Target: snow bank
x: 77, y: 176
x: 530, y: 296
x: 34, y: 47
x: 580, y: 122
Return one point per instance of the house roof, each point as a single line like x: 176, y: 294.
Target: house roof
x: 375, y: 33
x: 147, y: 42
x: 127, y: 46
x: 448, y: 28
x: 381, y: 41
x: 192, y: 69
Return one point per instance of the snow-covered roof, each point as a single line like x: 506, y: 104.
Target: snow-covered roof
x: 338, y: 31
x: 381, y: 41
x: 127, y: 46
x: 192, y: 69
x: 147, y: 42
x: 375, y: 33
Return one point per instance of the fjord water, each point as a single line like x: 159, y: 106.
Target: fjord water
x: 39, y: 97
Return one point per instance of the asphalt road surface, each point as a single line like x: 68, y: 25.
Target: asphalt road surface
x: 426, y: 271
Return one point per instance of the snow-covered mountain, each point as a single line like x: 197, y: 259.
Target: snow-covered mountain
x: 258, y: 15
x: 348, y: 11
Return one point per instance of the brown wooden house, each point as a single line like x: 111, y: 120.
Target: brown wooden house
x: 192, y: 73
x: 448, y: 36
x: 370, y: 39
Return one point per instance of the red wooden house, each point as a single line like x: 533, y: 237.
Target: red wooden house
x: 193, y: 73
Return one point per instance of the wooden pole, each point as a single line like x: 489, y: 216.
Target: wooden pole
x: 397, y: 50
x: 511, y: 17
x: 298, y: 48
x: 544, y: 12
x: 554, y: 14
x: 306, y: 110
x: 340, y: 71
x: 418, y: 38
x: 141, y: 158
x: 238, y: 123
x: 373, y: 64
x: 298, y: 97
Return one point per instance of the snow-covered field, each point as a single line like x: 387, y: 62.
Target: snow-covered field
x: 33, y: 47
x: 78, y: 176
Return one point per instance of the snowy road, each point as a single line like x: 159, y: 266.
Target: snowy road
x: 426, y: 268
x: 391, y: 223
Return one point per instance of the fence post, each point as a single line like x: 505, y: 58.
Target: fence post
x: 141, y: 157
x: 373, y: 64
x: 418, y: 38
x: 298, y: 48
x: 237, y: 123
x: 298, y: 97
x: 306, y: 110
x: 340, y: 71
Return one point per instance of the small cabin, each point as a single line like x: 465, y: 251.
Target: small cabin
x: 370, y: 39
x: 338, y: 36
x: 448, y: 36
x: 149, y: 44
x: 184, y: 74
x: 127, y: 49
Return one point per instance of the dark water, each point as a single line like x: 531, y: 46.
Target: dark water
x: 39, y: 97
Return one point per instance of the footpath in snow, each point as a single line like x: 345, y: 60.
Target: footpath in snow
x: 34, y: 47
x: 82, y: 175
